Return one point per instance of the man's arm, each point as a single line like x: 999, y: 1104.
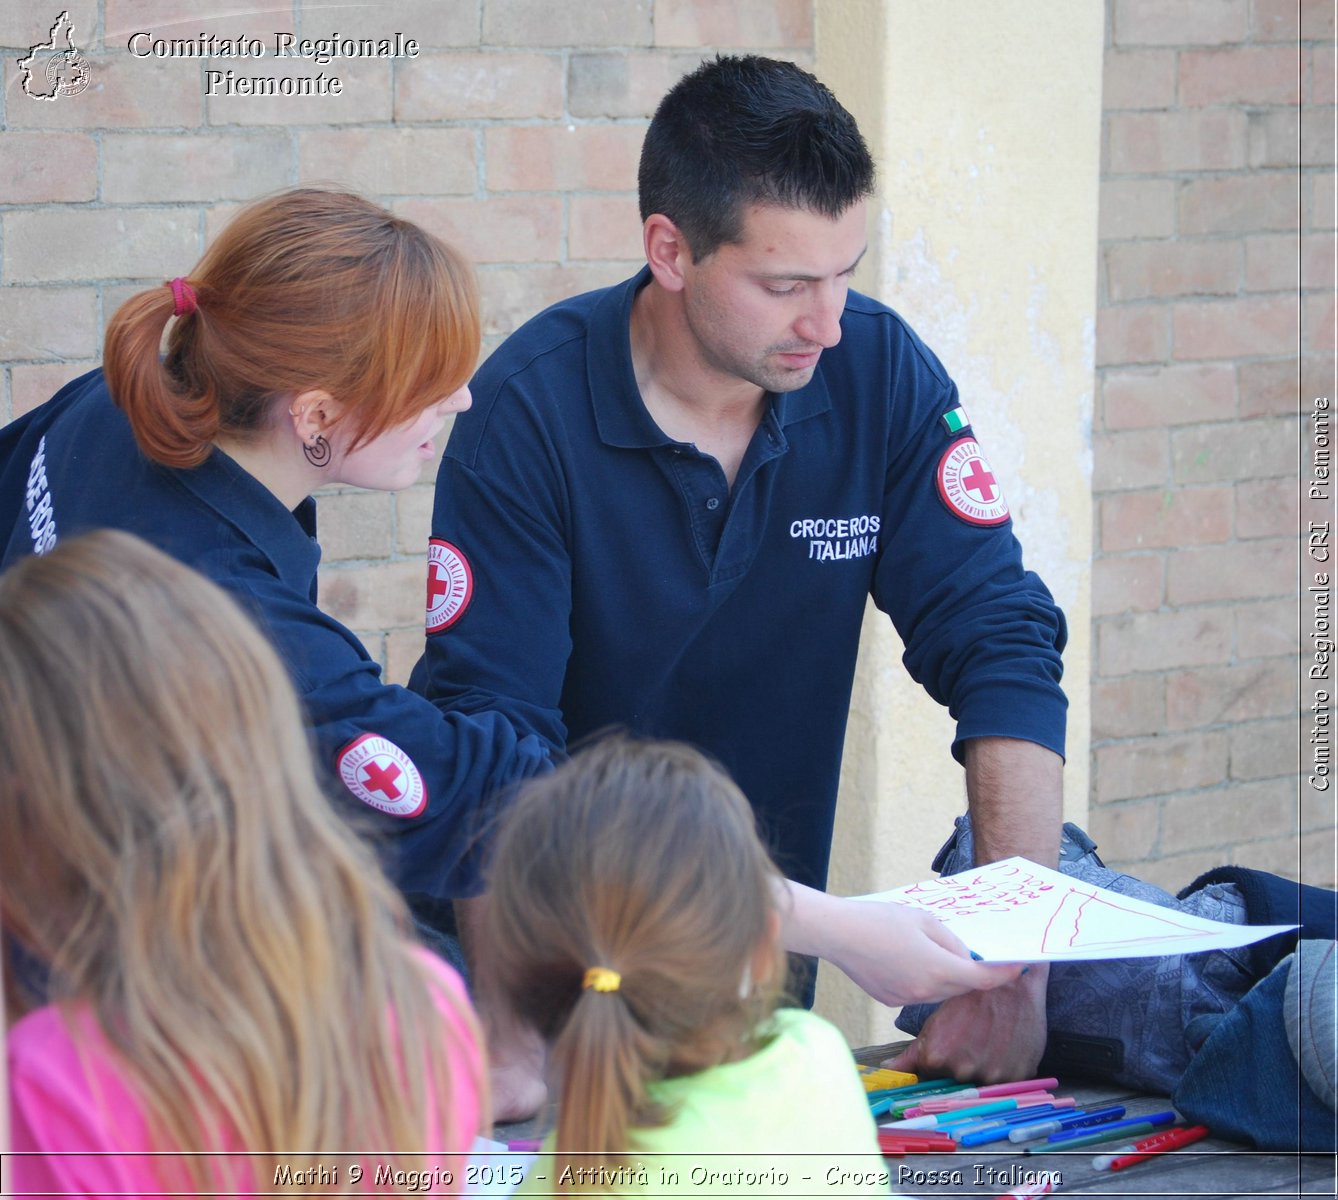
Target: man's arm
x: 1015, y: 792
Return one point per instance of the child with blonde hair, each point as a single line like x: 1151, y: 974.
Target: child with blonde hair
x: 212, y: 961
x: 633, y: 918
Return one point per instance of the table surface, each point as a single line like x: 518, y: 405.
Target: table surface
x: 1209, y: 1168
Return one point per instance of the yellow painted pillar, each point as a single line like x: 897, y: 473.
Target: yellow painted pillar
x: 985, y: 122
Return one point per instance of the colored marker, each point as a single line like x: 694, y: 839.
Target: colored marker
x: 1083, y: 1120
x: 900, y: 1106
x: 930, y: 1087
x: 1012, y: 1120
x: 901, y: 1100
x: 1137, y: 1129
x: 932, y: 1104
x: 1042, y: 1187
x: 1161, y: 1143
x: 928, y: 1083
x: 1018, y: 1085
x: 1006, y: 1124
x: 938, y: 1120
x: 924, y: 1110
x: 947, y: 1088
x: 927, y: 1144
x: 983, y: 1137
x: 1161, y: 1118
x: 915, y: 1135
x: 885, y: 1077
x: 895, y: 1108
x: 911, y: 1146
x: 922, y: 1138
x: 884, y: 1093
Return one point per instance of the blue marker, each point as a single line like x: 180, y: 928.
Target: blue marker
x: 1075, y: 1120
x: 983, y: 1137
x: 1023, y: 1116
x: 1064, y: 1135
x: 1049, y: 1113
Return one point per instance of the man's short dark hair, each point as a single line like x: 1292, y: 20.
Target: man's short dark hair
x: 749, y: 130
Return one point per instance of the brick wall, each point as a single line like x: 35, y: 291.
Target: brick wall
x: 1215, y: 329
x: 514, y: 133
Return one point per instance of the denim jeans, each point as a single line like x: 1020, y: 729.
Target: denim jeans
x: 1244, y: 1083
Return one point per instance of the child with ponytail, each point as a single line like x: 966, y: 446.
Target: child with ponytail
x: 633, y: 920
x: 218, y: 984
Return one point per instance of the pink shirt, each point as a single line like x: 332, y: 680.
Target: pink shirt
x: 67, y: 1097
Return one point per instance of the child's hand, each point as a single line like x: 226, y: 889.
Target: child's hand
x: 902, y: 955
x: 899, y: 955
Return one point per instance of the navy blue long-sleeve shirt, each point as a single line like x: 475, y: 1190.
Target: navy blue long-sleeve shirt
x: 606, y: 575
x: 419, y: 776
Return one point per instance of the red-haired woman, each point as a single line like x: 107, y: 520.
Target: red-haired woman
x: 320, y: 340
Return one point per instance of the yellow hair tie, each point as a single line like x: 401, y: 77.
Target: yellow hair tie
x: 602, y: 979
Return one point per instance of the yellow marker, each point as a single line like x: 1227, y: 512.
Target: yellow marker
x: 875, y: 1079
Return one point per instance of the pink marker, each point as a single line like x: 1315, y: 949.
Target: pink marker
x: 1042, y: 1187
x: 946, y: 1103
x: 1021, y: 1085
x: 1008, y: 1089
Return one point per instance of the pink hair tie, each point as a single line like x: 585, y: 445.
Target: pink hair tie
x: 184, y: 300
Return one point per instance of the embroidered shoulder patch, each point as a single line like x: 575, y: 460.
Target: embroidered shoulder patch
x: 450, y: 585
x: 967, y: 485
x: 955, y: 420
x: 382, y: 776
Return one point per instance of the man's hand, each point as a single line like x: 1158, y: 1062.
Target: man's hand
x: 1015, y: 792
x: 899, y: 955
x: 986, y: 1037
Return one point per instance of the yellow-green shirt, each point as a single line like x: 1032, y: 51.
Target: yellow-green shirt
x: 791, y: 1119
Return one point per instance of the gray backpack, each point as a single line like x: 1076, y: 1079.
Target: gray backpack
x: 1133, y: 1021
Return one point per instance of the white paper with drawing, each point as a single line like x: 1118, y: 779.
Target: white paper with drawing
x: 1017, y: 911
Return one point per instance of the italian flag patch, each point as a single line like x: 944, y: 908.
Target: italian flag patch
x: 955, y: 420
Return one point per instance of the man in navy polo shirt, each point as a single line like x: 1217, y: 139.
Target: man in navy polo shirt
x: 672, y: 498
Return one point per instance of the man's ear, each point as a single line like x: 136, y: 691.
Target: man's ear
x: 312, y: 413
x: 667, y: 251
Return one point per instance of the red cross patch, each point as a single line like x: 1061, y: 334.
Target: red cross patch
x: 381, y: 775
x: 450, y: 585
x: 968, y: 486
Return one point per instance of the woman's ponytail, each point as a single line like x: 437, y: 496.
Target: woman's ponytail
x: 306, y: 289
x: 174, y: 421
